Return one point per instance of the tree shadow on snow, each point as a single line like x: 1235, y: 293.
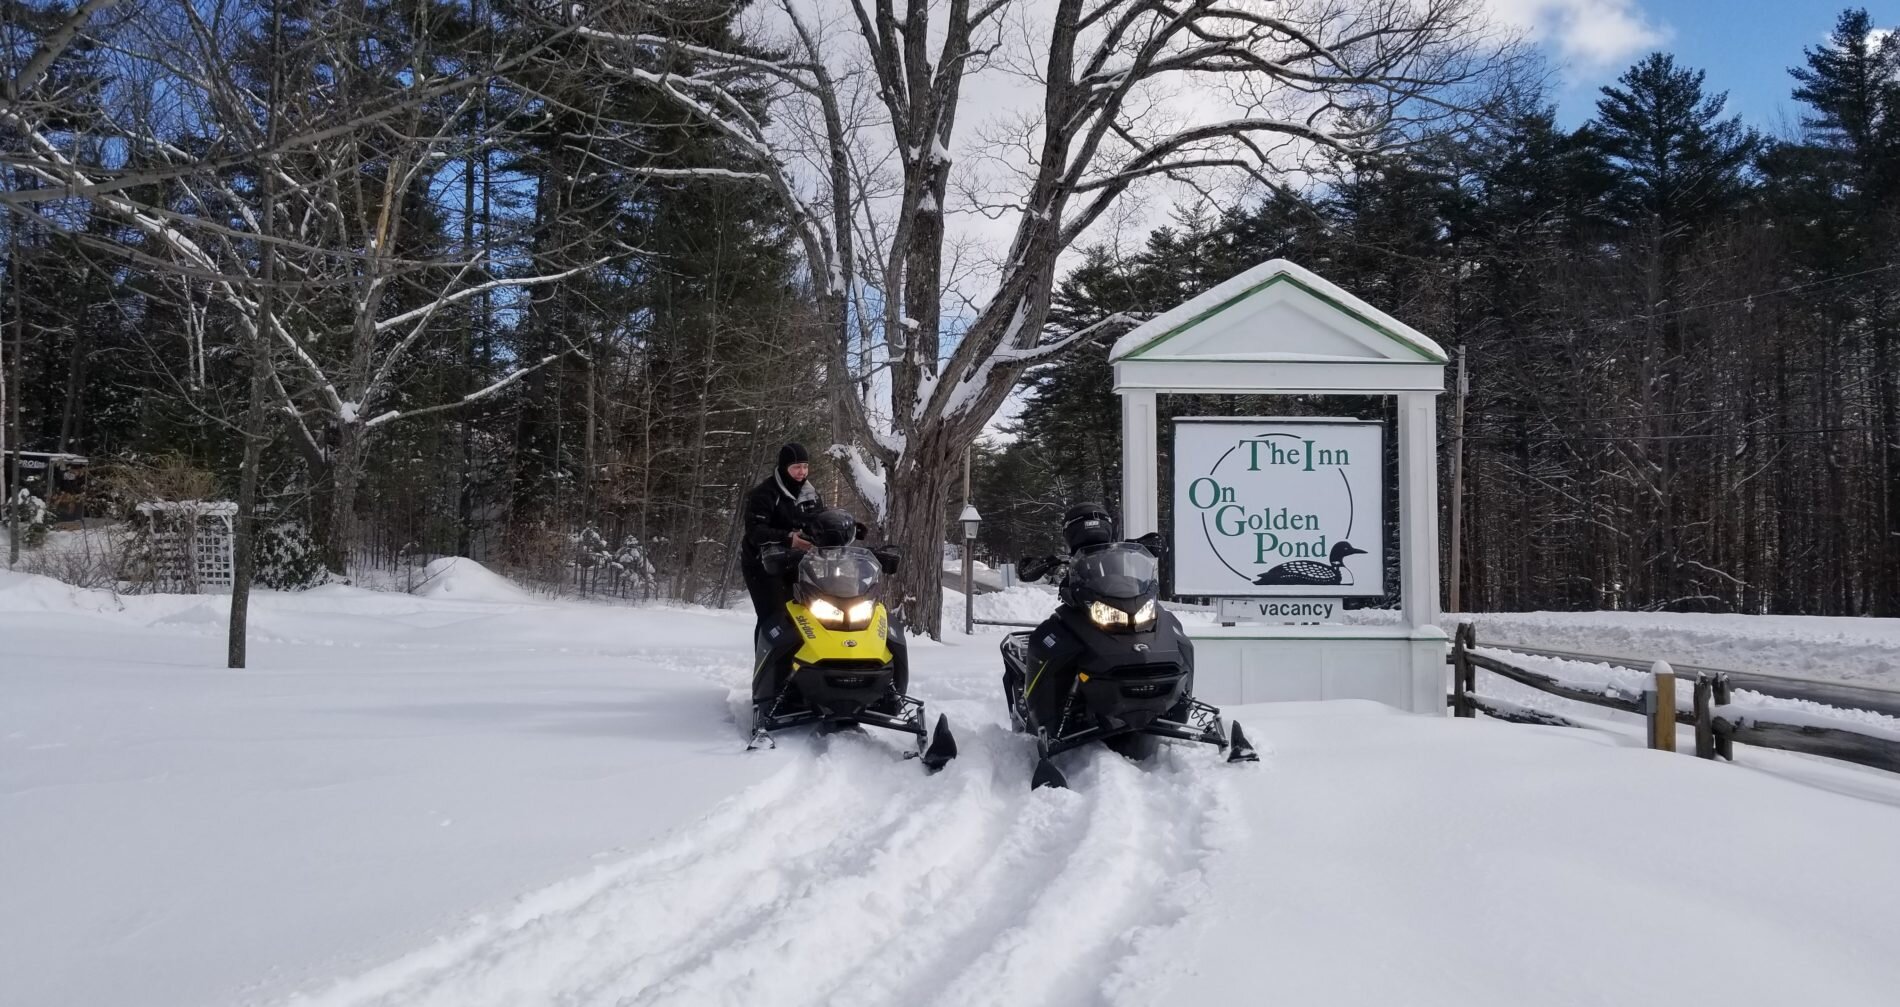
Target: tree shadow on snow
x: 674, y: 715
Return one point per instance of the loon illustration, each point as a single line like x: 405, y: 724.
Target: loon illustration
x: 1306, y: 571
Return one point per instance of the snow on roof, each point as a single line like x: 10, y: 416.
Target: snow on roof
x: 52, y: 456
x: 210, y: 508
x: 1229, y: 293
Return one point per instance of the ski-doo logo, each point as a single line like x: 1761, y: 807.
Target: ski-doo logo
x: 1278, y: 507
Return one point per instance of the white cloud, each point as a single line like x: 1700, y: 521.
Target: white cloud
x: 1586, y: 34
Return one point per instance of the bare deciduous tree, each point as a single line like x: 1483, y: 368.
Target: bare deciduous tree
x: 1122, y: 93
x: 371, y: 109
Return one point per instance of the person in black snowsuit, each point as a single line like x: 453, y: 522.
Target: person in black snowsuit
x: 775, y: 514
x: 1053, y: 648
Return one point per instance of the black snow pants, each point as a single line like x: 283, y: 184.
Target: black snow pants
x: 769, y: 594
x: 773, y: 639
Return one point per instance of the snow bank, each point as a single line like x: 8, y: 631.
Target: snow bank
x: 26, y: 592
x: 459, y: 579
x: 1024, y: 603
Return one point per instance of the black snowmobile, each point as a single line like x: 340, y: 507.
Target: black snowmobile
x: 837, y: 659
x: 1120, y: 667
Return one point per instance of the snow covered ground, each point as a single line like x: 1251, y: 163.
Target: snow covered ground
x: 481, y: 798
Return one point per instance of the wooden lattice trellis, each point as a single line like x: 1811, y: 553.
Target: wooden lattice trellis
x: 192, y: 543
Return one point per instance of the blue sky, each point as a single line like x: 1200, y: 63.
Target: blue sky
x: 1746, y: 46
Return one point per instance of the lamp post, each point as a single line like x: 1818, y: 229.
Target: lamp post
x: 970, y: 521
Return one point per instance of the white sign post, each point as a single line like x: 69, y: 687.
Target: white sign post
x: 1282, y: 518
x: 1283, y: 508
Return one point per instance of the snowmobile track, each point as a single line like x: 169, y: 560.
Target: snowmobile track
x: 848, y: 877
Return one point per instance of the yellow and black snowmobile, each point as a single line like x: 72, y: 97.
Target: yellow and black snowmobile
x: 837, y: 659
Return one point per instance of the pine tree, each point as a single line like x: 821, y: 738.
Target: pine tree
x: 1852, y: 83
x: 1850, y: 164
x: 1678, y: 160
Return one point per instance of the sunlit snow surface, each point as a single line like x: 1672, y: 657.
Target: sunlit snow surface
x: 479, y: 797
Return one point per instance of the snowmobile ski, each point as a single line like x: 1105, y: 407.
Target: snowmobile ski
x: 941, y: 746
x: 1047, y: 775
x: 1239, y: 749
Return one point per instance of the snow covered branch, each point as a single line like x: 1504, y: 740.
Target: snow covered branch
x: 470, y: 399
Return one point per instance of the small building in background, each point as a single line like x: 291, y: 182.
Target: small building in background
x: 58, y: 480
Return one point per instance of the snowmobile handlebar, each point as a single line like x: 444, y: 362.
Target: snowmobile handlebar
x: 782, y: 559
x: 1030, y: 569
x: 1033, y: 568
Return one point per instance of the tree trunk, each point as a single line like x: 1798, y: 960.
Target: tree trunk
x: 1887, y: 463
x: 9, y: 474
x: 244, y: 549
x: 346, y: 474
x: 915, y: 524
x: 75, y: 391
x: 13, y: 398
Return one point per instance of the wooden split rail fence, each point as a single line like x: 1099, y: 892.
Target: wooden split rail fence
x: 1717, y: 728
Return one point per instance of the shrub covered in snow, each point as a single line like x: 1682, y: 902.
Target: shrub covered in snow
x: 32, y: 514
x: 288, y: 559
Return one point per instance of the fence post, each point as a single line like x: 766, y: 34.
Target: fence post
x: 1461, y: 671
x: 1704, y: 722
x: 1724, y: 745
x: 1662, y: 707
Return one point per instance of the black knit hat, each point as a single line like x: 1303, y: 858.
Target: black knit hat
x: 788, y: 456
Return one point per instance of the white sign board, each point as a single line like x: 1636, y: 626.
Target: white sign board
x: 1287, y: 508
x: 1281, y: 610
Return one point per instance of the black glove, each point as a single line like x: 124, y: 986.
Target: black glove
x: 776, y: 559
x: 1032, y: 568
x: 887, y: 557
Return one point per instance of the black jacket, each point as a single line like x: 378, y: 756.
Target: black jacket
x: 772, y: 511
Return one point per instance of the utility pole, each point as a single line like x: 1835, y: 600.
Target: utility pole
x: 1458, y: 488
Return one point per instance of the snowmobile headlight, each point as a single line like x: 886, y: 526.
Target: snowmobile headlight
x: 1107, y: 616
x: 827, y: 613
x: 1145, y: 618
x: 859, y: 614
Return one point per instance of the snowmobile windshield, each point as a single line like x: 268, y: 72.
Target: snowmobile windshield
x: 1119, y: 571
x: 838, y: 572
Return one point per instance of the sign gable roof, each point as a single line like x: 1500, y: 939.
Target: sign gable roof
x: 1277, y: 312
